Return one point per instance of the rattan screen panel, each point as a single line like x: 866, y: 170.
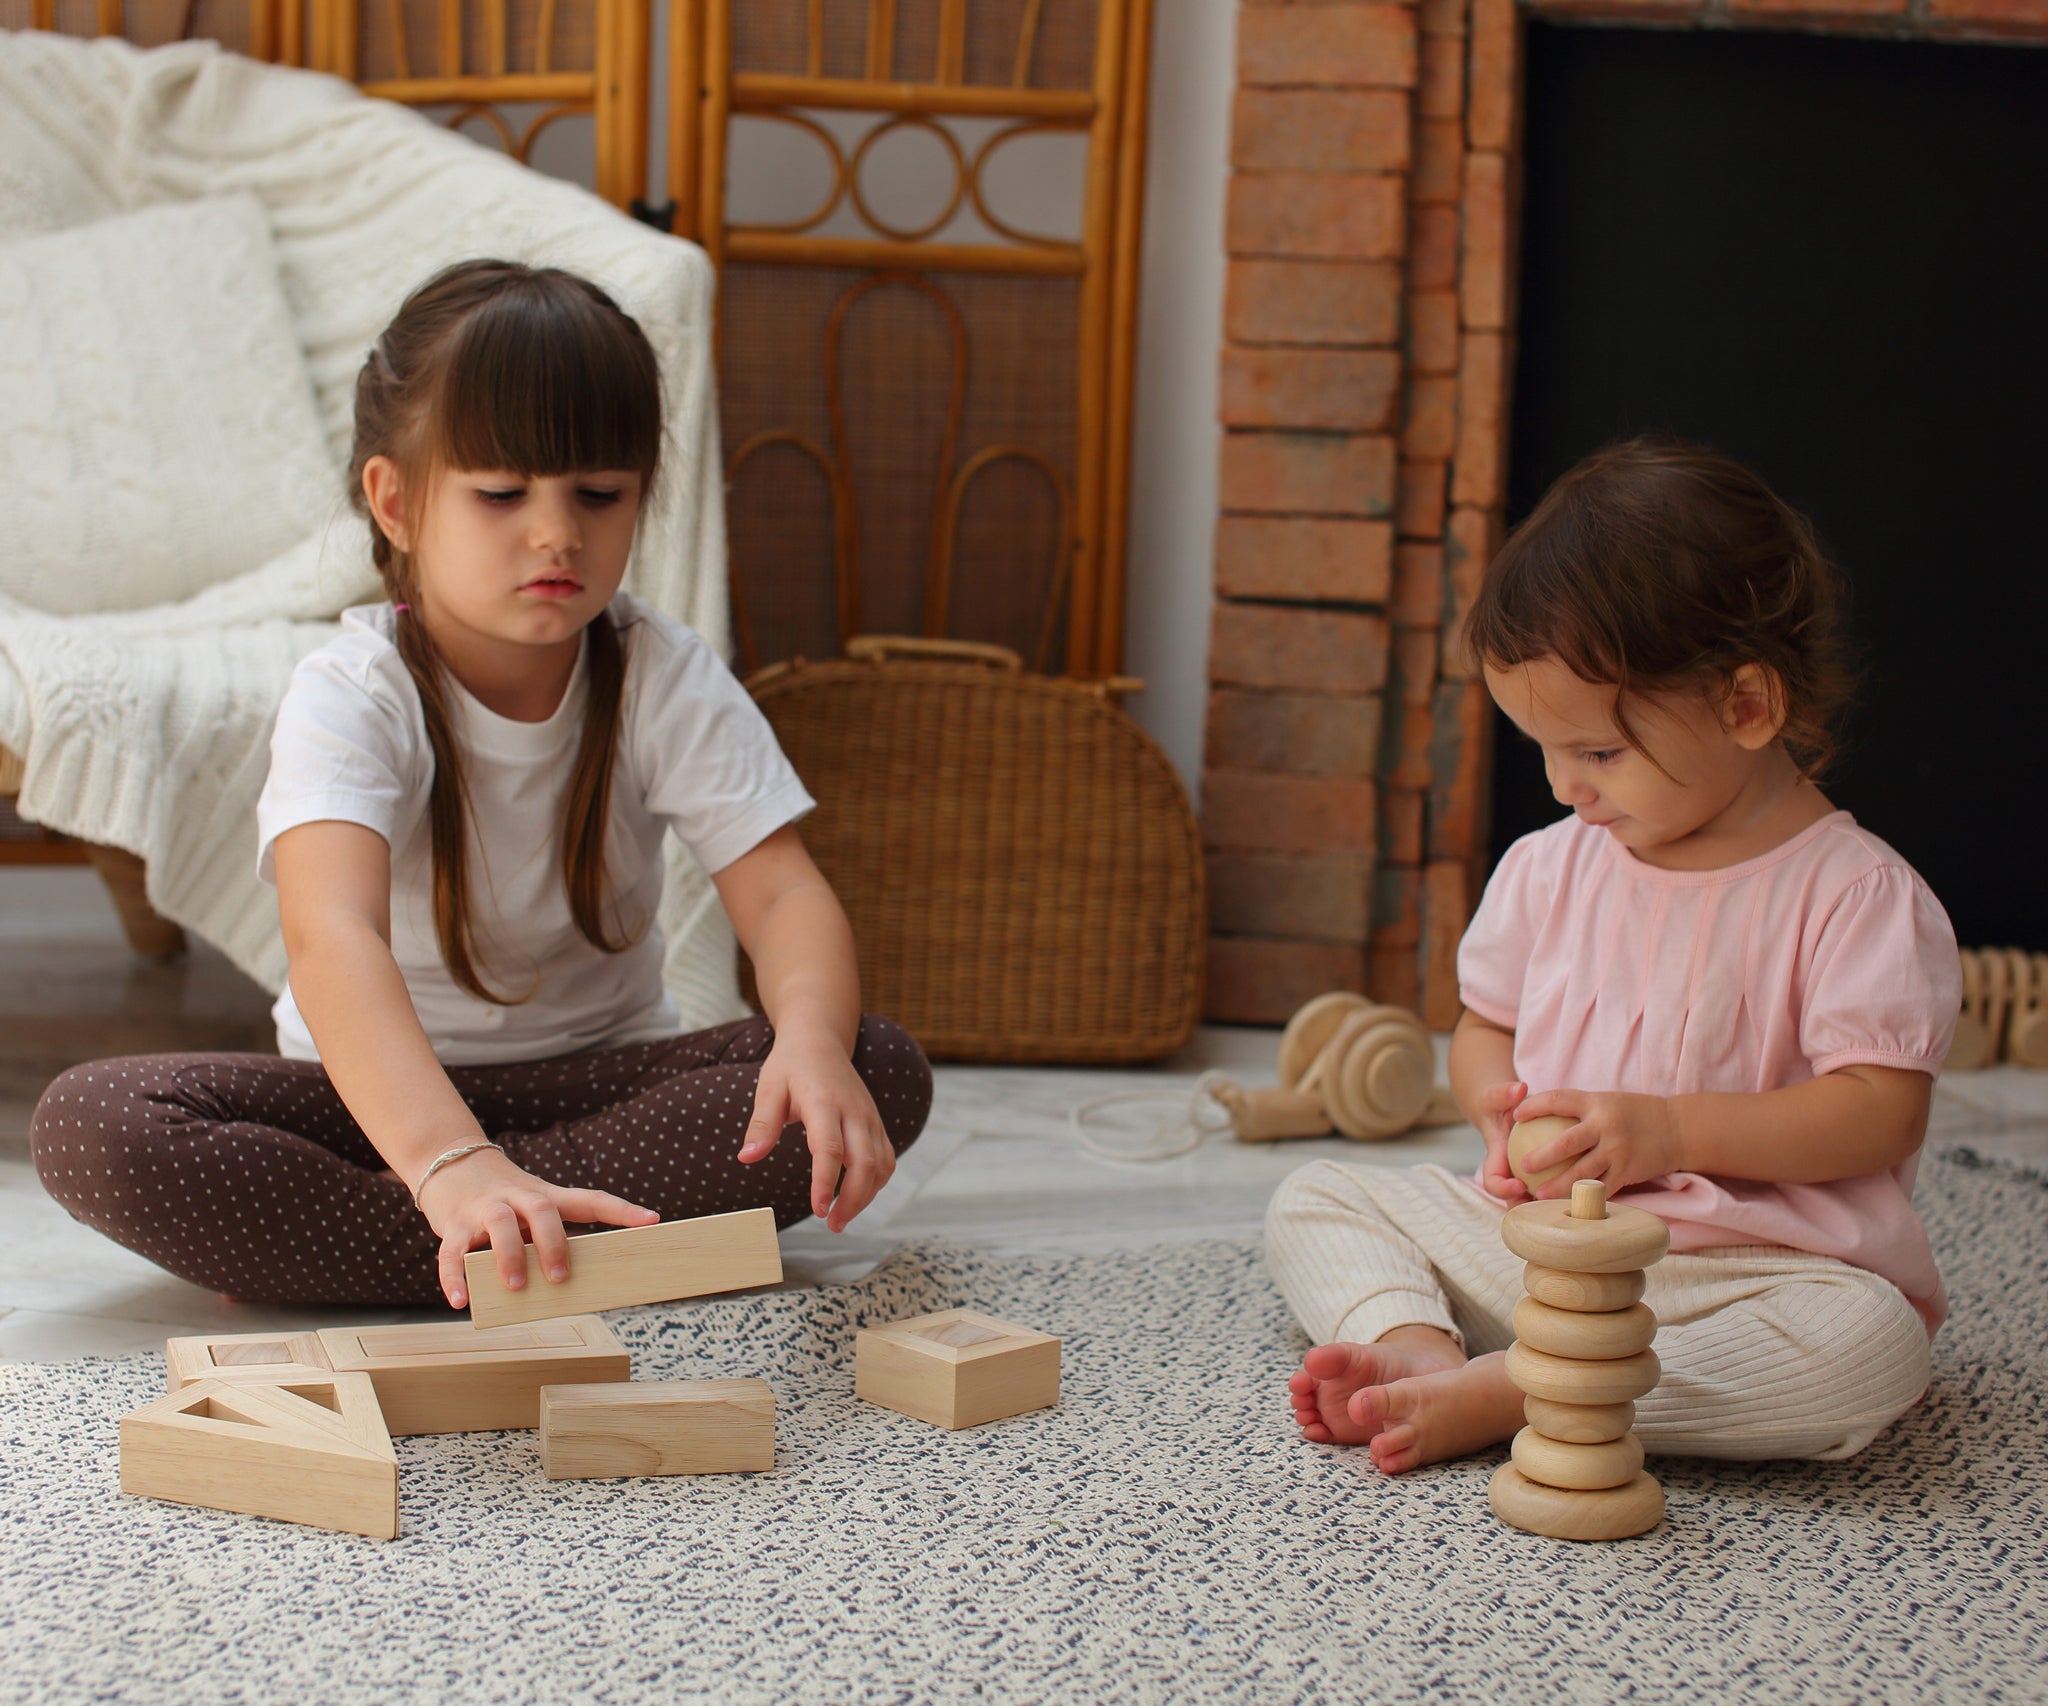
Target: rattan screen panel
x: 240, y: 25
x: 1054, y: 39
x: 900, y: 457
x: 1020, y: 866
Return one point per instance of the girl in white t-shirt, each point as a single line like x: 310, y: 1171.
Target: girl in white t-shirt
x: 468, y: 794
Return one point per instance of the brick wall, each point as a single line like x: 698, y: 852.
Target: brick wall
x: 1368, y: 343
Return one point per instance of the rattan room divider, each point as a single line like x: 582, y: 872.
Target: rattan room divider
x: 923, y: 434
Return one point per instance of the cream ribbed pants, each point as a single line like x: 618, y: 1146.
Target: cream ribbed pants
x: 1767, y: 1352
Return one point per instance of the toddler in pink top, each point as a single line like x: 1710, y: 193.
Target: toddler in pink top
x: 1738, y: 996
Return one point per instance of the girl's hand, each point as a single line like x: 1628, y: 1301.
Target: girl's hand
x: 486, y: 1198
x: 1494, y: 1116
x: 1620, y: 1139
x: 808, y: 1079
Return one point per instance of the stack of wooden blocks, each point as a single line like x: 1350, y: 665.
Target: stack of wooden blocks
x: 298, y: 1426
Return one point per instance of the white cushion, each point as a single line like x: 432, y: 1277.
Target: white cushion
x: 157, y: 423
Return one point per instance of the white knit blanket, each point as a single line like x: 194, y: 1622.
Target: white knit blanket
x: 149, y: 730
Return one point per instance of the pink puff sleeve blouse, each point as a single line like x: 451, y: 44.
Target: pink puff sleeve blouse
x: 1825, y: 952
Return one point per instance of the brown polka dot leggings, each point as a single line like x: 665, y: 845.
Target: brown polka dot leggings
x: 244, y: 1173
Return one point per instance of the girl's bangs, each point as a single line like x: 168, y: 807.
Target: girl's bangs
x: 547, y: 385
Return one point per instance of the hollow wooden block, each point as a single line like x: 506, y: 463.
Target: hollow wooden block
x: 312, y: 1450
x: 450, y: 1378
x: 957, y: 1368
x: 242, y: 1356
x: 657, y: 1427
x: 635, y: 1264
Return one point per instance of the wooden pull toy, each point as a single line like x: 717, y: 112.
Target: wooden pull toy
x: 1581, y: 1358
x: 1346, y: 1063
x: 2005, y: 1010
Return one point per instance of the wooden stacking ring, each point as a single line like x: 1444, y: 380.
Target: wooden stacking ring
x: 1559, y: 1463
x: 1579, y: 1424
x: 1611, y: 1514
x: 1582, y: 1291
x: 1566, y: 1380
x: 1578, y: 1333
x: 1549, y: 1234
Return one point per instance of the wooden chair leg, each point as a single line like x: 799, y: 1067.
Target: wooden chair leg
x: 150, y: 934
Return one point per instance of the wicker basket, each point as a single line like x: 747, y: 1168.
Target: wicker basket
x: 1020, y: 862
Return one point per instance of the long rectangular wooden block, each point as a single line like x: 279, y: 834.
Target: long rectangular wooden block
x: 957, y: 1368
x: 636, y: 1264
x: 242, y: 1356
x: 657, y: 1427
x: 312, y: 1450
x: 449, y: 1378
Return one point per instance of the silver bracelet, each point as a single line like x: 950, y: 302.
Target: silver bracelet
x: 447, y: 1155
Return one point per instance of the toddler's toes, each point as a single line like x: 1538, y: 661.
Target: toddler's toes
x: 1338, y: 1362
x: 1396, y: 1448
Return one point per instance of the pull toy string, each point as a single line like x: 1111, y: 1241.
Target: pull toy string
x: 1170, y: 1139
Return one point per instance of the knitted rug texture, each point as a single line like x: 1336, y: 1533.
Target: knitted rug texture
x: 1162, y: 1535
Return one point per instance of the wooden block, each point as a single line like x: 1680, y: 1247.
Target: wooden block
x: 957, y: 1368
x: 451, y: 1378
x: 1589, y: 1334
x: 1561, y: 1463
x: 242, y: 1356
x: 1549, y: 1234
x: 1611, y: 1514
x: 312, y: 1450
x: 636, y: 1264
x: 1579, y: 1424
x: 1566, y: 1380
x: 657, y: 1427
x: 1582, y: 1291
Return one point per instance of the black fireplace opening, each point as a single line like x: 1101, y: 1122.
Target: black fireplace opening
x: 1827, y: 256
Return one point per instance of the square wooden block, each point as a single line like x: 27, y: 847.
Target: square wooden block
x: 957, y: 1368
x: 657, y: 1427
x: 312, y: 1450
x: 242, y: 1356
x: 450, y: 1378
x: 635, y: 1264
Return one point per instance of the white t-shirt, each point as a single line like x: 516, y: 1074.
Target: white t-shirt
x: 695, y: 755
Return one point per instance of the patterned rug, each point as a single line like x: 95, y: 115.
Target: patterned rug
x: 1158, y: 1537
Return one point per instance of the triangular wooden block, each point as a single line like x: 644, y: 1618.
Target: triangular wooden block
x: 311, y: 1450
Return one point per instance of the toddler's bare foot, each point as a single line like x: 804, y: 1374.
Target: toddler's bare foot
x: 1411, y: 1398
x: 1321, y: 1390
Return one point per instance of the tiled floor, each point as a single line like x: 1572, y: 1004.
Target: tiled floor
x: 997, y: 1166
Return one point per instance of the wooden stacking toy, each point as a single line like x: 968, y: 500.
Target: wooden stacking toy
x: 2005, y: 1010
x: 1581, y: 1358
x: 1345, y: 1062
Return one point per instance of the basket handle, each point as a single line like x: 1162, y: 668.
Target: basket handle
x: 874, y: 648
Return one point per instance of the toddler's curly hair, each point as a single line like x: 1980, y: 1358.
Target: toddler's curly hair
x: 1660, y: 566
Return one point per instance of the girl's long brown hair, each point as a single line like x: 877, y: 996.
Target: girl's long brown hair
x: 491, y: 364
x: 1657, y: 566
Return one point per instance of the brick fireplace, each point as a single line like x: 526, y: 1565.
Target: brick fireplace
x: 1368, y: 347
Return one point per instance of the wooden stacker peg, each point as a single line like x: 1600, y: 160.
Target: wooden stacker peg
x: 1581, y: 1358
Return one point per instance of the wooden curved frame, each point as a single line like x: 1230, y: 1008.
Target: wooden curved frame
x: 940, y: 588
x: 962, y: 177
x: 835, y: 405
x: 982, y: 155
x: 842, y: 545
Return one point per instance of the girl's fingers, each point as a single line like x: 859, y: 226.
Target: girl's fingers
x: 1565, y: 1146
x: 1570, y: 1103
x: 454, y: 1280
x: 501, y: 1225
x: 550, y: 1242
x: 864, y: 1176
x: 828, y: 1154
x: 1502, y: 1097
x: 771, y: 1114
x: 601, y: 1208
